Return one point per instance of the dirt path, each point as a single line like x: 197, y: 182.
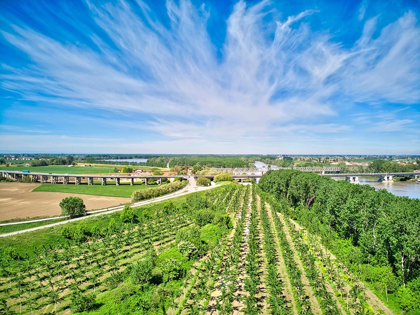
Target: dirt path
x: 327, y: 284
x: 262, y: 294
x: 307, y: 287
x: 281, y: 266
x: 371, y: 297
x: 216, y: 293
x: 240, y: 292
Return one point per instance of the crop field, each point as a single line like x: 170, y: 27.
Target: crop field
x: 123, y: 191
x: 229, y: 250
x: 19, y: 201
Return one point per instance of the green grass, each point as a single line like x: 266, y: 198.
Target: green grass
x: 24, y: 226
x: 64, y: 169
x: 123, y: 191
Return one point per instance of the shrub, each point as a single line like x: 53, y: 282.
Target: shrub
x: 127, y: 215
x: 157, y: 191
x: 188, y: 249
x: 223, y: 220
x: 203, y: 181
x: 157, y: 172
x: 223, y: 177
x: 189, y: 234
x: 204, y: 217
x: 127, y: 170
x: 82, y: 303
x: 72, y: 206
x: 172, y: 270
x: 142, y: 271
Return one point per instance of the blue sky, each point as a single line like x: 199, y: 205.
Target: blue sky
x: 297, y: 77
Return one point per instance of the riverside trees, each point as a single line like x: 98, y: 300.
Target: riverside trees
x: 367, y: 229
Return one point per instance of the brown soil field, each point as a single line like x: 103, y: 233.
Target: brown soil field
x: 17, y: 201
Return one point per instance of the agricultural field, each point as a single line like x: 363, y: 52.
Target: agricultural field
x: 111, y: 190
x: 229, y: 250
x: 19, y: 201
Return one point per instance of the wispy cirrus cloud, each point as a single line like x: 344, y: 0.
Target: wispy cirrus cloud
x: 269, y: 72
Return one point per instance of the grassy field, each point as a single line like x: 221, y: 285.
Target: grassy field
x: 123, y: 191
x: 24, y: 226
x: 64, y: 169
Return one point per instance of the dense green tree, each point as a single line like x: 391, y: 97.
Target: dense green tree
x: 73, y: 206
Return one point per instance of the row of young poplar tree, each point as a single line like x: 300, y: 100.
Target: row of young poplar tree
x: 375, y: 232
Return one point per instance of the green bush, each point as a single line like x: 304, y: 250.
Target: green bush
x: 223, y: 220
x: 204, y: 217
x: 172, y: 270
x: 189, y: 234
x: 82, y: 303
x: 73, y: 206
x: 188, y: 249
x: 157, y: 191
x: 203, y: 181
x: 222, y: 177
x: 127, y: 215
x: 127, y: 170
x: 157, y: 172
x: 142, y: 271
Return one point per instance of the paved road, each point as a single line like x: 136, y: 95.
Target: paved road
x: 190, y: 188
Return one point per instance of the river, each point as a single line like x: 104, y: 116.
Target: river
x: 128, y: 160
x: 409, y: 189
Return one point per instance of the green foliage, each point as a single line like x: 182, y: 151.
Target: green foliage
x: 157, y: 172
x: 211, y: 234
x: 127, y: 215
x: 81, y: 302
x: 78, y: 233
x: 142, y: 271
x: 90, y: 160
x: 189, y: 234
x: 223, y: 177
x: 171, y: 269
x: 127, y: 170
x: 35, y: 163
x: 209, y: 161
x: 223, y: 220
x: 203, y: 181
x: 188, y: 249
x: 73, y: 206
x: 203, y: 217
x: 157, y: 191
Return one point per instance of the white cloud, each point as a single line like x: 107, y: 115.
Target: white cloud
x: 260, y: 82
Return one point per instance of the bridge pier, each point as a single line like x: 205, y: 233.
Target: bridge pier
x: 145, y: 181
x: 77, y: 180
x: 117, y: 181
x: 33, y: 178
x: 52, y: 179
x: 131, y: 181
x: 103, y: 181
x: 352, y: 179
x: 386, y: 178
x: 65, y: 180
x: 90, y: 180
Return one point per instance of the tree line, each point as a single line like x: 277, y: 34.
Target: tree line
x: 383, y: 230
